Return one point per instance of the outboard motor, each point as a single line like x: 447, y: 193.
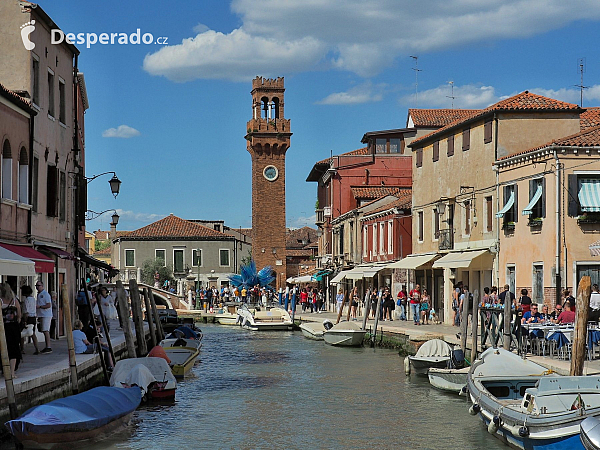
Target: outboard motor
x: 327, y: 324
x: 457, y: 359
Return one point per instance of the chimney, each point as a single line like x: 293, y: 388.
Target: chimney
x: 113, y: 231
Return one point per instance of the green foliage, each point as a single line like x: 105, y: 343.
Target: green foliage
x: 151, y: 266
x: 246, y: 259
x: 317, y: 204
x: 101, y: 244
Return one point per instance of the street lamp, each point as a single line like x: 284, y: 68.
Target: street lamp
x: 115, y: 219
x: 91, y: 215
x: 115, y: 183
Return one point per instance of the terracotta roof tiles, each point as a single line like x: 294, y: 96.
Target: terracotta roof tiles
x: 373, y: 192
x: 438, y: 117
x: 175, y: 227
x: 589, y: 118
x: 357, y: 152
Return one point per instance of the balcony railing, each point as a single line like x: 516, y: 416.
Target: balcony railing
x: 320, y: 220
x: 445, y: 239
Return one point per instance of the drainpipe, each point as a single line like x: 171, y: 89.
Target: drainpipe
x: 30, y: 170
x: 497, y: 169
x: 558, y: 211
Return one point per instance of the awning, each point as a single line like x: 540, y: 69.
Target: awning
x: 338, y: 278
x: 355, y: 274
x: 509, y: 204
x: 595, y: 249
x: 95, y: 262
x: 536, y: 197
x: 303, y: 279
x: 589, y: 194
x: 57, y: 251
x: 412, y: 261
x: 456, y: 260
x: 43, y: 263
x: 370, y: 272
x: 15, y: 265
x: 320, y: 275
x: 290, y: 280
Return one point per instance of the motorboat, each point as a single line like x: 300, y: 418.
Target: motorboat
x: 77, y: 419
x: 152, y: 375
x: 186, y: 331
x: 434, y: 353
x: 527, y: 406
x: 182, y: 353
x: 313, y: 330
x: 590, y: 433
x: 273, y: 318
x: 344, y: 334
x: 227, y: 315
x: 452, y: 378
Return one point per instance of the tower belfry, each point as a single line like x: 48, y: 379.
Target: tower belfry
x: 268, y: 138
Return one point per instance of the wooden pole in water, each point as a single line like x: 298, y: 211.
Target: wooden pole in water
x: 506, y: 322
x: 105, y: 326
x: 379, y: 297
x: 124, y: 313
x: 10, y: 388
x: 367, y: 309
x: 341, y: 309
x: 349, y: 306
x: 475, y: 323
x: 463, y: 322
x: 580, y: 332
x: 160, y: 334
x: 136, y: 310
x: 149, y: 318
x: 69, y: 332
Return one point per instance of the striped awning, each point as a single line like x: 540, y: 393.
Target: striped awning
x: 595, y: 249
x: 589, y: 194
x: 536, y: 197
x: 509, y: 204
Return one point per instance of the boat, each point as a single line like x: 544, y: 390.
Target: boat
x: 182, y: 354
x: 152, y: 375
x: 273, y: 318
x: 451, y: 380
x: 89, y: 416
x: 313, y: 330
x: 527, y: 406
x: 227, y: 315
x: 344, y: 334
x: 590, y: 433
x: 186, y: 331
x: 433, y: 353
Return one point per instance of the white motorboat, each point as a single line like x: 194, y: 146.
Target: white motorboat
x: 433, y: 353
x: 227, y: 315
x: 152, y: 375
x: 313, y: 330
x: 271, y: 318
x: 452, y: 380
x: 590, y: 433
x: 344, y: 334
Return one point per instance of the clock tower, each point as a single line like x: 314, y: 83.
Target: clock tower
x: 268, y: 138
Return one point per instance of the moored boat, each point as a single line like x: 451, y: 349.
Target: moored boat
x: 433, y: 353
x: 451, y: 380
x: 344, y: 334
x: 313, y: 330
x: 272, y: 318
x: 590, y: 433
x: 91, y: 415
x: 152, y: 375
x: 182, y: 353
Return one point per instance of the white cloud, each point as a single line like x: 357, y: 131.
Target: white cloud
x: 201, y: 28
x: 299, y: 222
x: 122, y: 131
x: 364, y: 93
x: 138, y: 216
x: 468, y: 96
x: 572, y: 95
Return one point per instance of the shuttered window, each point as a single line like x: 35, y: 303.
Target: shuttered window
x: 487, y: 132
x: 419, y: 157
x: 466, y: 136
x: 436, y: 151
x: 52, y: 192
x: 451, y: 145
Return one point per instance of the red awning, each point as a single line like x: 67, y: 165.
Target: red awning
x: 57, y: 251
x: 43, y: 263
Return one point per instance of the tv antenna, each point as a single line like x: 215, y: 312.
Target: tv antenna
x: 417, y: 70
x: 581, y: 70
x: 451, y: 96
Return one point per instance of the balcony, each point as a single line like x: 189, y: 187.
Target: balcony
x: 445, y: 239
x: 320, y: 217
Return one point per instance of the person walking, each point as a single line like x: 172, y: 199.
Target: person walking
x: 425, y: 304
x: 594, y: 311
x: 44, y: 314
x: 415, y: 303
x: 11, y: 315
x: 401, y: 302
x: 339, y: 299
x: 30, y: 318
x: 354, y: 302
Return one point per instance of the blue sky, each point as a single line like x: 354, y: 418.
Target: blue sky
x: 182, y: 108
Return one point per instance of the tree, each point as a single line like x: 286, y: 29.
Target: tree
x: 150, y: 267
x: 101, y: 244
x: 245, y: 261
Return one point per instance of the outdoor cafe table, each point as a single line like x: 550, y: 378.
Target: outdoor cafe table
x: 562, y: 334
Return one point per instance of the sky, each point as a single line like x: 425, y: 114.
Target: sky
x: 170, y: 119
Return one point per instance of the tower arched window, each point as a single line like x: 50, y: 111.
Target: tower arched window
x: 265, y: 107
x: 6, y: 170
x: 23, y: 176
x: 276, y: 107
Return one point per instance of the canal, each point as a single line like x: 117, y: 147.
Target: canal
x: 280, y: 390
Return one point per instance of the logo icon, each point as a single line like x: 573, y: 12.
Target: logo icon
x: 26, y: 30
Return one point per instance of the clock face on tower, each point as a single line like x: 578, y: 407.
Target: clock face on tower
x: 270, y: 173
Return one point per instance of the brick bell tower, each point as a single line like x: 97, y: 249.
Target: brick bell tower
x: 268, y: 138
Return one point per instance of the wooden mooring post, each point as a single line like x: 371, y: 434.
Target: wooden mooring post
x: 105, y: 327
x: 507, y: 331
x: 160, y: 334
x: 367, y: 310
x: 580, y: 332
x: 463, y: 322
x: 66, y: 306
x: 149, y: 318
x: 136, y: 310
x: 379, y: 298
x: 475, y: 324
x: 124, y: 313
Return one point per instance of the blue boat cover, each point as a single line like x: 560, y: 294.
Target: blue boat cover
x: 188, y: 333
x: 82, y: 412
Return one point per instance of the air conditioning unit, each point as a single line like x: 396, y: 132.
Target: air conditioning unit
x: 327, y: 211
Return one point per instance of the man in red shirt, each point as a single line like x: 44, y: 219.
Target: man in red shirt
x: 415, y: 303
x: 567, y: 316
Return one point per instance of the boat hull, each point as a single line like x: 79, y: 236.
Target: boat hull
x: 312, y: 333
x: 344, y: 338
x: 227, y: 320
x: 421, y: 365
x: 451, y: 380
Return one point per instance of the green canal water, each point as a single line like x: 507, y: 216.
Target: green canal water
x: 280, y: 390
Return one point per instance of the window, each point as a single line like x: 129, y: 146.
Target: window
x: 466, y: 136
x: 450, y: 145
x: 380, y: 145
x: 351, y: 239
x: 419, y: 158
x: 50, y: 93
x: 396, y: 146
x: 365, y: 239
x: 436, y: 224
x: 51, y: 191
x: 62, y: 109
x: 161, y: 255
x: 537, y: 201
x: 6, y: 170
x: 509, y: 210
x: 130, y: 258
x: 62, y: 210
x: 487, y: 132
x: 537, y: 294
x: 467, y: 205
x: 382, y: 238
x: 197, y: 257
x: 35, y: 79
x: 23, y: 176
x: 341, y: 243
x: 436, y: 151
x: 584, y: 194
x: 34, y: 183
x: 420, y: 225
x: 178, y: 261
x: 224, y: 257
x: 390, y: 237
x: 374, y: 239
x: 592, y: 270
x: 489, y: 218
